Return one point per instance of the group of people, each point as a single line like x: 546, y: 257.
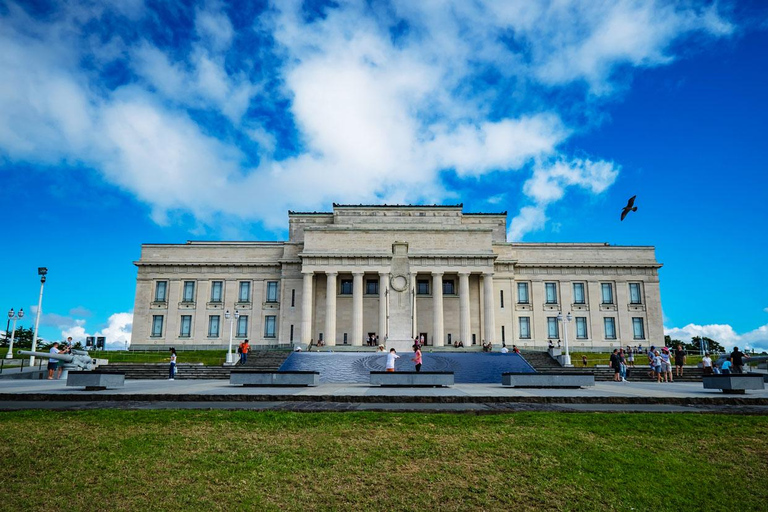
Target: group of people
x: 392, y: 356
x: 53, y: 364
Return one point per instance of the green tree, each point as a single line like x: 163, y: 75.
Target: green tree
x: 22, y: 340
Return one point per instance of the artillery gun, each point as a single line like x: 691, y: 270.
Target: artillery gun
x: 77, y: 360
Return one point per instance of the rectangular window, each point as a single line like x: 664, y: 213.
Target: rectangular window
x: 638, y: 329
x: 371, y: 287
x: 189, y: 291
x: 242, y: 326
x: 270, y: 327
x: 525, y: 327
x: 422, y: 287
x: 578, y: 293
x: 293, y: 298
x: 522, y: 293
x: 185, y: 328
x: 161, y: 291
x: 449, y: 287
x: 552, y: 330
x: 157, y: 326
x: 607, y: 292
x: 501, y: 298
x: 213, y: 326
x: 346, y: 287
x: 291, y: 333
x: 271, y: 291
x: 245, y: 292
x: 551, y: 289
x: 216, y: 289
x: 581, y: 327
x: 610, y: 328
x: 503, y: 335
x: 634, y: 294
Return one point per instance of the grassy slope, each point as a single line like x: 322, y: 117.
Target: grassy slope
x: 214, y: 460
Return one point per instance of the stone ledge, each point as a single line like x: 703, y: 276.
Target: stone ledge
x: 548, y: 380
x: 412, y: 379
x: 736, y: 383
x: 270, y: 378
x: 96, y: 381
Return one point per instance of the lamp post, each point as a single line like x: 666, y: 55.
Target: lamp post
x: 41, y: 271
x: 13, y: 316
x: 231, y: 318
x: 566, y: 321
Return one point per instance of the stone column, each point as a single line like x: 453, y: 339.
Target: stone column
x: 465, y: 331
x: 330, y: 308
x: 357, y: 308
x: 437, y: 302
x: 306, y: 308
x: 490, y: 322
x: 412, y: 291
x: 383, y: 300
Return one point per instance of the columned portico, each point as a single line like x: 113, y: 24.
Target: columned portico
x: 464, y: 308
x: 437, y: 300
x: 383, y: 300
x: 357, y: 307
x: 490, y: 323
x: 330, y: 309
x: 306, y: 308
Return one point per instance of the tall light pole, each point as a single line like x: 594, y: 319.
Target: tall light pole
x: 566, y: 321
x: 41, y: 271
x: 231, y: 318
x: 14, y: 316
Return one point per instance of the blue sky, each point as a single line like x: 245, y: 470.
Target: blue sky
x: 130, y: 122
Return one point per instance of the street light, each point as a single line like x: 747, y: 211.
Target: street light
x: 41, y: 271
x: 230, y: 355
x: 13, y: 316
x: 566, y: 321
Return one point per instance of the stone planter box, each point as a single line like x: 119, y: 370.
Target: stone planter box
x: 548, y: 380
x: 736, y: 383
x: 412, y: 379
x: 95, y: 381
x: 267, y: 378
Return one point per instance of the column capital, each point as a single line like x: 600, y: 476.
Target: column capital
x: 383, y: 272
x: 463, y: 273
x: 331, y: 273
x: 358, y: 272
x: 308, y: 272
x: 487, y: 273
x: 437, y: 274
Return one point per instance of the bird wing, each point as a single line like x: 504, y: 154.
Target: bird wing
x: 631, y: 202
x: 624, y: 213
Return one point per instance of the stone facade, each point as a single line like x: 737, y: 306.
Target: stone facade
x: 396, y: 272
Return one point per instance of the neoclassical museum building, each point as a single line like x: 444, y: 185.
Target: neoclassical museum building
x: 396, y: 272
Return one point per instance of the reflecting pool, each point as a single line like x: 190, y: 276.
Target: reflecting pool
x: 355, y: 366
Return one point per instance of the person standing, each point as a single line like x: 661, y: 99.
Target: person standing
x: 244, y: 349
x: 67, y: 349
x: 616, y: 365
x: 53, y: 363
x: 680, y: 359
x: 417, y: 357
x: 391, y: 360
x: 622, y: 366
x: 666, y: 365
x: 725, y: 368
x: 706, y: 364
x: 737, y: 359
x: 172, y: 366
x: 584, y: 360
x: 631, y: 357
x: 656, y: 363
x: 651, y: 362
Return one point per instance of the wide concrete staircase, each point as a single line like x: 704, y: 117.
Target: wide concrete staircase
x: 543, y: 362
x: 259, y: 360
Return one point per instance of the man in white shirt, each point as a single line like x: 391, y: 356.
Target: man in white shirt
x: 391, y: 359
x: 504, y: 349
x: 706, y: 364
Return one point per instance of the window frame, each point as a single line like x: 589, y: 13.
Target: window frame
x: 609, y: 287
x: 188, y: 284
x: 165, y: 291
x: 426, y: 284
x: 523, y: 286
x: 214, y: 285
x: 218, y: 326
x: 583, y: 321
x: 270, y: 320
x: 552, y: 320
x: 547, y: 286
x: 612, y: 321
x: 241, y: 285
x: 273, y: 292
x: 579, y: 286
x: 153, y: 331
x: 639, y: 289
x: 185, y: 320
x: 527, y: 334
x: 638, y: 320
x: 449, y: 287
x: 346, y: 286
x: 240, y: 320
x: 372, y: 284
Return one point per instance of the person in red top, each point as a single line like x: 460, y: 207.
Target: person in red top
x: 417, y: 357
x: 244, y: 349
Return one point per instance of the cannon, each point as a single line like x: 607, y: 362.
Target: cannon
x: 76, y: 360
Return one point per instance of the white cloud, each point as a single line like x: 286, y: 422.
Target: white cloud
x: 766, y: 310
x: 724, y: 334
x: 379, y: 117
x: 117, y: 331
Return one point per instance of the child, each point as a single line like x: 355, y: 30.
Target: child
x: 416, y: 357
x: 391, y: 359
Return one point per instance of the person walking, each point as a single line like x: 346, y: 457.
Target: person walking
x: 737, y: 359
x: 680, y: 359
x: 245, y: 347
x: 391, y: 360
x: 172, y: 366
x: 417, y: 357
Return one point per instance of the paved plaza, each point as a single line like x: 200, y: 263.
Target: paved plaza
x: 478, y: 398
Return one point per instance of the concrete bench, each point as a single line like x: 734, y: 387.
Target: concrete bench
x: 412, y: 379
x: 548, y: 379
x: 95, y: 381
x: 269, y: 378
x: 735, y: 383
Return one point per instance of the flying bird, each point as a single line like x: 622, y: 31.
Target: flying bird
x: 629, y: 208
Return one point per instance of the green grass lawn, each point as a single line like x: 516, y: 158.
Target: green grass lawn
x: 208, y: 357
x: 245, y: 460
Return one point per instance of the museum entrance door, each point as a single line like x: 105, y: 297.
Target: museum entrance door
x: 424, y: 339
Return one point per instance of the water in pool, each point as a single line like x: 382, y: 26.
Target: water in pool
x: 355, y: 366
